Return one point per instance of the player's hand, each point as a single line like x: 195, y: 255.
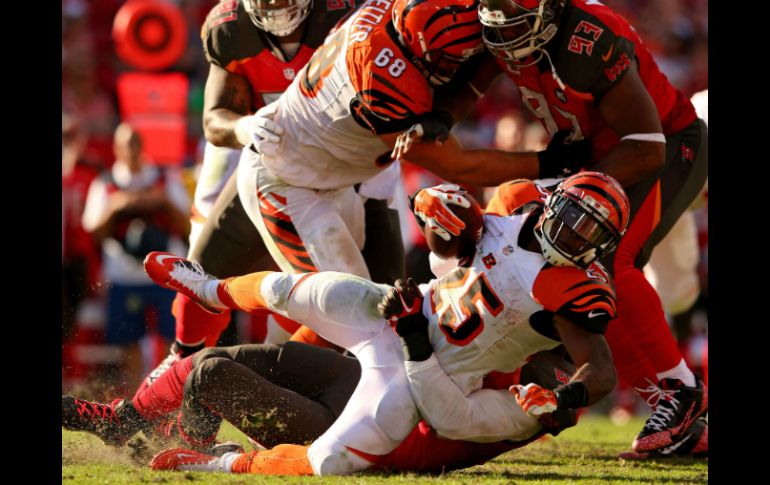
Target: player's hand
x: 403, y: 300
x: 427, y: 130
x: 402, y: 306
x: 563, y: 157
x: 534, y: 400
x: 260, y: 131
x: 431, y: 206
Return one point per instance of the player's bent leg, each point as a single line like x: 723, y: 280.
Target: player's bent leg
x: 341, y: 308
x: 655, y: 210
x: 673, y: 266
x: 379, y: 416
x: 228, y: 245
x: 221, y: 388
x: 304, y: 230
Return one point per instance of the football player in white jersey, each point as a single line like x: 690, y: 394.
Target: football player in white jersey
x: 374, y: 79
x: 254, y: 49
x: 528, y: 283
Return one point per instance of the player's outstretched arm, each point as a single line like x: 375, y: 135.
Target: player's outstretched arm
x: 454, y: 163
x: 594, y: 379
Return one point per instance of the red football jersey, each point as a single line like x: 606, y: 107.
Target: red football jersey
x: 591, y: 52
x: 233, y: 42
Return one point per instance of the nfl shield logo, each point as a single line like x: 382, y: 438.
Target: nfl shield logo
x: 289, y: 73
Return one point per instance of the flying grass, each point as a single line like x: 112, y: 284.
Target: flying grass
x: 586, y: 454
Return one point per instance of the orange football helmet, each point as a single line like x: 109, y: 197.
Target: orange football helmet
x: 441, y: 35
x: 584, y: 219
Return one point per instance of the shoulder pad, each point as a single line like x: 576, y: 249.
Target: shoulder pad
x: 513, y: 195
x: 389, y: 98
x: 585, y: 297
x: 593, y: 55
x: 324, y: 17
x: 228, y: 35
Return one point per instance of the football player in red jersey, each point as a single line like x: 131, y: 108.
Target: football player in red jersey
x: 529, y: 285
x: 586, y: 75
x: 255, y: 48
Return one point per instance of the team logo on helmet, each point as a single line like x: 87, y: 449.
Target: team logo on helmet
x: 279, y: 18
x: 584, y: 219
x: 441, y: 36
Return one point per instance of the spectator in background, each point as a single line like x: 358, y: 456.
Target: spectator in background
x: 509, y: 131
x: 133, y: 209
x: 79, y: 258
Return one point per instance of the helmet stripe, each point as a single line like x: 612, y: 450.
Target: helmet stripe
x: 604, y: 193
x: 409, y: 8
x: 450, y: 10
x: 474, y: 36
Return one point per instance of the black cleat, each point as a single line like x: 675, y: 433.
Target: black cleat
x: 114, y: 423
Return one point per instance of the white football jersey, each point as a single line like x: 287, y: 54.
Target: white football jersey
x: 356, y: 86
x: 494, y: 314
x: 479, y: 316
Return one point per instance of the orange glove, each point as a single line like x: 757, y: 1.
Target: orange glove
x: 533, y: 399
x: 431, y: 206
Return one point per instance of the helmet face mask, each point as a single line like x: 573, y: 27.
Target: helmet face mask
x: 439, y: 67
x: 517, y: 30
x: 278, y: 17
x: 583, y: 220
x: 440, y: 36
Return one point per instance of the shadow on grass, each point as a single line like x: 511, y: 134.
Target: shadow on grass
x: 554, y: 476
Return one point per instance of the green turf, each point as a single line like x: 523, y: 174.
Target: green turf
x: 586, y: 454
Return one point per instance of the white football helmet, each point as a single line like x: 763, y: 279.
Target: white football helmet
x: 516, y: 29
x: 279, y: 17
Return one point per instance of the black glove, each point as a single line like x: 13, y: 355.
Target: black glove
x: 561, y: 159
x: 434, y: 127
x: 437, y: 128
x: 402, y: 306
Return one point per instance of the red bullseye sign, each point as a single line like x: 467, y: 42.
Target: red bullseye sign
x: 149, y: 34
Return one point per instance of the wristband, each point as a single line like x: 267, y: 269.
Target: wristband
x: 571, y: 396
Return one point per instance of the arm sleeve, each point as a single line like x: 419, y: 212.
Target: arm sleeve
x: 483, y: 416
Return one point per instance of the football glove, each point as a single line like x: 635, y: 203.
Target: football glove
x: 260, y: 131
x: 431, y: 206
x: 435, y: 128
x: 562, y: 158
x: 534, y: 400
x: 402, y: 306
x: 403, y: 300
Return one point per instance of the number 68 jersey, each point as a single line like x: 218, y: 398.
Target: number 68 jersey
x: 359, y: 84
x: 493, y: 314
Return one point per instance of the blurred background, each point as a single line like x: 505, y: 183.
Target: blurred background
x: 119, y: 106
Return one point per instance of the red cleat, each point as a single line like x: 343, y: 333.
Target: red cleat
x: 179, y: 274
x: 114, y: 423
x: 677, y: 408
x: 183, y: 459
x: 694, y: 443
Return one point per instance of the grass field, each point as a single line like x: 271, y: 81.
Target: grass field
x: 586, y: 454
